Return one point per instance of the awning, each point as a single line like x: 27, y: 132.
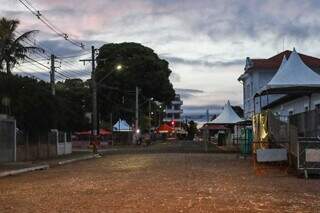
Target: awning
x: 214, y: 127
x: 164, y: 128
x: 102, y: 132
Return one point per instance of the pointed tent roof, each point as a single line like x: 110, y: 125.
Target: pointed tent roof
x: 228, y: 116
x: 121, y: 126
x: 292, y: 74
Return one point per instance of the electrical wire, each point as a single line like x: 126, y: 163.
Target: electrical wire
x: 49, y: 24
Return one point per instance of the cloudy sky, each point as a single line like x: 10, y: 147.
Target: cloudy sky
x: 205, y: 41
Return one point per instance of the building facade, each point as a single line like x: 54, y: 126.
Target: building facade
x: 257, y: 74
x: 173, y: 111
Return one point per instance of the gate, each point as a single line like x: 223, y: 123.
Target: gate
x: 7, y: 140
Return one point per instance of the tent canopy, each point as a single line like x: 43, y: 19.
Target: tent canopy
x: 214, y: 127
x: 228, y: 116
x: 165, y: 128
x: 292, y: 76
x: 102, y: 132
x: 122, y: 126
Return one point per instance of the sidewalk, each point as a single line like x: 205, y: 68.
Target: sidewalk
x: 14, y: 168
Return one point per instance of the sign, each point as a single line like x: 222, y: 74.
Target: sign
x: 312, y: 155
x: 271, y: 155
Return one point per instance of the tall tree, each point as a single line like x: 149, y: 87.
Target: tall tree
x: 141, y: 67
x: 11, y: 48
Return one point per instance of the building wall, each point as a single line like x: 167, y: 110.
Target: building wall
x: 255, y: 81
x: 173, y: 110
x: 297, y: 106
x: 252, y: 83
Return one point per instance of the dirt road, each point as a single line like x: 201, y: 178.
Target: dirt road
x: 158, y: 182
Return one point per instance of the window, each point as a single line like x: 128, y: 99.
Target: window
x: 290, y: 112
x: 176, y: 107
x: 248, y: 91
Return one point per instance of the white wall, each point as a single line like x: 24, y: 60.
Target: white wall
x: 297, y: 105
x: 253, y: 82
x: 64, y: 148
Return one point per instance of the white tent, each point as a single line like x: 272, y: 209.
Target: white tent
x: 122, y: 126
x: 228, y: 116
x: 292, y: 74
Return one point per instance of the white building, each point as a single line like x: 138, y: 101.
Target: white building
x: 173, y: 111
x: 259, y: 72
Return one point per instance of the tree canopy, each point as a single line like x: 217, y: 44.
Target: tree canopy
x: 141, y: 67
x: 11, y: 48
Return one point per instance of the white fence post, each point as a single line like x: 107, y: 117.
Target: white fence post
x: 65, y: 143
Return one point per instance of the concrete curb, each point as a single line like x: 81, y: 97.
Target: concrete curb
x: 24, y: 170
x: 46, y: 166
x: 78, y: 159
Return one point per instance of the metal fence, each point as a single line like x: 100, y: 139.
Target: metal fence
x: 273, y: 131
x: 274, y: 144
x: 7, y: 140
x: 307, y: 123
x: 308, y: 158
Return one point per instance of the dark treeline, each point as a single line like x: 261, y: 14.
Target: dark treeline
x: 32, y: 104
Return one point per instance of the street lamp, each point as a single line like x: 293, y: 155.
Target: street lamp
x: 118, y: 67
x: 95, y: 86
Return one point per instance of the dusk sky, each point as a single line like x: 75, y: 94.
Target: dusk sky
x: 205, y: 41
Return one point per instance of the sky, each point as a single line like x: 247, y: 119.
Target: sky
x: 206, y: 41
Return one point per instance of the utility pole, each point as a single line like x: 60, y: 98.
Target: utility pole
x: 137, y: 109
x: 94, y: 96
x: 111, y: 128
x: 94, y: 114
x: 149, y: 116
x: 52, y: 75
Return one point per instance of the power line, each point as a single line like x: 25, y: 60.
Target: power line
x: 49, y: 24
x: 35, y: 61
x: 71, y: 68
x: 29, y: 74
x: 87, y: 52
x: 64, y: 75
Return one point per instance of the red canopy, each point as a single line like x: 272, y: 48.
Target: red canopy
x: 101, y: 132
x: 165, y: 128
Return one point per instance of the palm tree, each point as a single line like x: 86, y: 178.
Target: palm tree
x: 11, y: 49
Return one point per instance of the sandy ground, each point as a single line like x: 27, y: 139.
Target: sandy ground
x: 158, y: 182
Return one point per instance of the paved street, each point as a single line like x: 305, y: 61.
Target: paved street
x: 158, y: 182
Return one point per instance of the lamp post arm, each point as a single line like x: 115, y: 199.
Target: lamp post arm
x: 106, y: 76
